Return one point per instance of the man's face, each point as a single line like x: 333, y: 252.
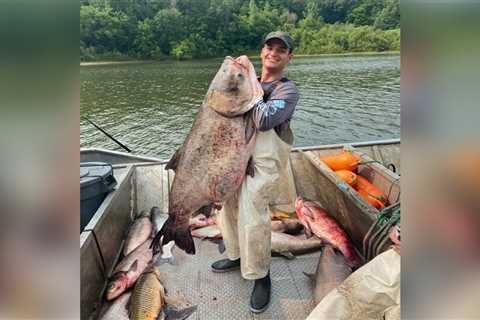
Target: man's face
x: 275, y: 55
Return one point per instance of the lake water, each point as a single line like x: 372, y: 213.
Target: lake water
x: 150, y: 107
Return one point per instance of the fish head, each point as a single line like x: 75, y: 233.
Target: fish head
x: 117, y: 285
x: 304, y: 215
x: 234, y: 89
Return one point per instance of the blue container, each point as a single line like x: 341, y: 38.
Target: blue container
x: 96, y: 181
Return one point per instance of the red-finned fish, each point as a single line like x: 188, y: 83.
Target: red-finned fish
x: 318, y: 222
x: 217, y: 153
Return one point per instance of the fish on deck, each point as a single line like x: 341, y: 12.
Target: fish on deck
x: 332, y: 269
x: 318, y: 222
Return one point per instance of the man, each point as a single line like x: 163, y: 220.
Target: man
x: 245, y: 217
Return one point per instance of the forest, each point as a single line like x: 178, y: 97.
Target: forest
x: 192, y: 29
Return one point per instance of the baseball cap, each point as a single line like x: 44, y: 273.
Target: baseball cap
x: 281, y: 35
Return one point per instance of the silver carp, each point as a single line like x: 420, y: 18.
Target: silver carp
x: 332, y: 269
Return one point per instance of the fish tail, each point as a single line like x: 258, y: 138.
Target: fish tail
x: 182, y: 237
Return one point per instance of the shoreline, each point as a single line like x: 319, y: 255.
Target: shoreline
x: 345, y: 54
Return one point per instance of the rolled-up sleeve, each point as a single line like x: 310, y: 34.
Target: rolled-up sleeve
x: 278, y: 108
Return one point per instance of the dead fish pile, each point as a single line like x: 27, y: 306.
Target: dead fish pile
x: 318, y: 222
x: 332, y: 269
x: 137, y: 253
x: 147, y: 301
x: 212, y: 162
x: 136, y: 270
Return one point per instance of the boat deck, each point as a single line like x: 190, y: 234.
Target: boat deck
x: 227, y: 295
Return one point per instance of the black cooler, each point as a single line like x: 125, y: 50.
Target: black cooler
x: 96, y: 181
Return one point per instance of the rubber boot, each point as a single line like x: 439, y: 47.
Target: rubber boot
x: 261, y: 294
x: 226, y: 265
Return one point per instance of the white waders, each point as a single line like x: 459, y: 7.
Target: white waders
x: 245, y: 216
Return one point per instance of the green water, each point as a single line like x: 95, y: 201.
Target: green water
x: 150, y: 107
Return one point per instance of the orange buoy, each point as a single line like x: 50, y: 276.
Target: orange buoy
x: 343, y: 161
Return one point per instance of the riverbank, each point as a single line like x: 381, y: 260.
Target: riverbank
x: 250, y: 55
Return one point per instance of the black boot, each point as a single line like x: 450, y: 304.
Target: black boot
x: 225, y: 265
x: 261, y: 294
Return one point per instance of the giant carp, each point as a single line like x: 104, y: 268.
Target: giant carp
x: 216, y: 155
x: 332, y: 269
x: 320, y: 223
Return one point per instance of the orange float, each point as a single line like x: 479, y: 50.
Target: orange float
x: 369, y: 192
x: 343, y: 161
x: 347, y: 176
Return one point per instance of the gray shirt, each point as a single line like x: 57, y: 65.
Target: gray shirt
x: 275, y: 111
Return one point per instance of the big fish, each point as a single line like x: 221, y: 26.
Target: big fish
x: 128, y: 270
x: 212, y: 162
x: 318, y: 222
x: 139, y: 232
x: 117, y: 309
x: 288, y: 245
x: 148, y: 296
x: 332, y: 269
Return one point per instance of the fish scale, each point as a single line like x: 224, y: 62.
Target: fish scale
x: 148, y: 296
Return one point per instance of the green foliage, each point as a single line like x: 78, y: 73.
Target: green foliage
x: 186, y: 29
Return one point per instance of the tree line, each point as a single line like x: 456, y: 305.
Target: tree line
x: 185, y: 29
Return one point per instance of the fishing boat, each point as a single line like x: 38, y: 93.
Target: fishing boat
x: 143, y: 182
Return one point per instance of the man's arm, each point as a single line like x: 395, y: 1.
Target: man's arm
x: 278, y: 108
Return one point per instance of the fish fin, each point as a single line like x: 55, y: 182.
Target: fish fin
x: 182, y: 237
x: 161, y: 315
x: 220, y: 243
x: 171, y: 313
x: 287, y: 254
x: 173, y: 163
x: 249, y: 127
x: 311, y: 276
x: 133, y: 267
x: 251, y: 167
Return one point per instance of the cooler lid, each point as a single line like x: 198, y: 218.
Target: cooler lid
x: 93, y: 172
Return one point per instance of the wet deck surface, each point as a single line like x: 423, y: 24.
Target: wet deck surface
x: 227, y: 295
